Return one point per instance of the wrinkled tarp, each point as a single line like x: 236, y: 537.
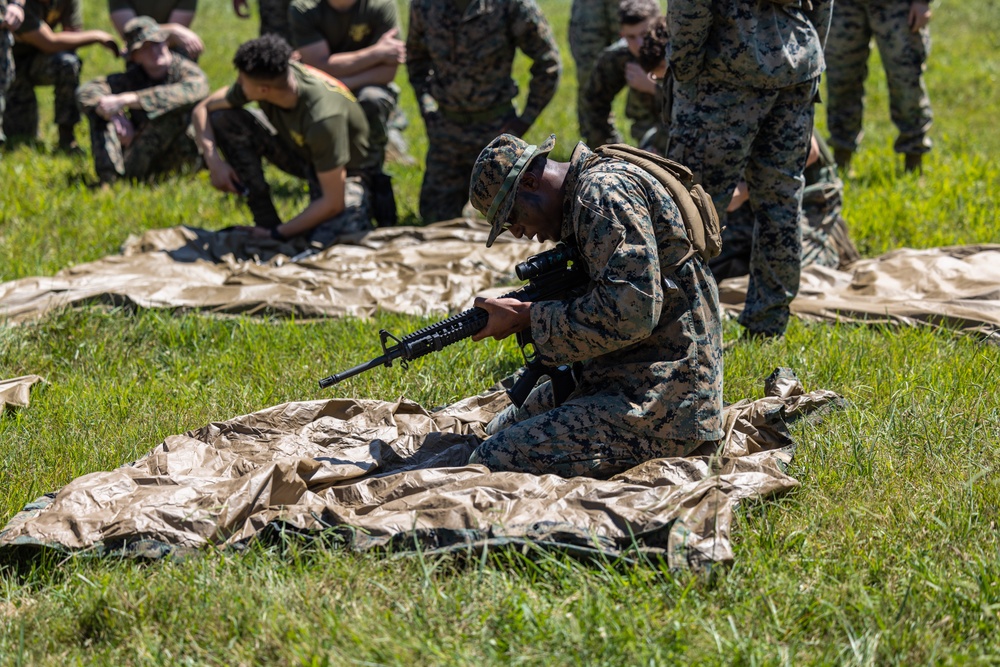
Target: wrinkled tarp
x: 415, y: 270
x: 374, y: 474
x: 15, y: 391
x: 956, y: 287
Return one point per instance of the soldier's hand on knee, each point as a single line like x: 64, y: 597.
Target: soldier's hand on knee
x: 920, y: 15
x: 224, y: 178
x: 507, y: 317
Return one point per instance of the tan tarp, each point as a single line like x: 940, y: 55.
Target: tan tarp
x: 415, y: 270
x: 15, y: 391
x: 956, y: 287
x: 373, y: 474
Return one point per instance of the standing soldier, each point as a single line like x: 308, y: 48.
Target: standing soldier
x: 138, y: 119
x: 618, y: 68
x: 45, y: 57
x: 593, y: 25
x: 174, y: 17
x: 900, y: 28
x: 11, y: 15
x: 743, y: 104
x: 459, y: 57
x: 357, y: 41
x: 273, y: 16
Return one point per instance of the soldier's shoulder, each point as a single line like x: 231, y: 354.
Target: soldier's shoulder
x: 304, y: 6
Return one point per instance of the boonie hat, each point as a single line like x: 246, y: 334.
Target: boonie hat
x: 496, y: 175
x: 140, y: 30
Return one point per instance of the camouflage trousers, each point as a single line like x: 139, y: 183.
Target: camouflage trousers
x: 60, y: 70
x: 593, y: 25
x: 160, y: 145
x: 723, y: 131
x: 452, y: 149
x: 378, y: 103
x: 579, y: 437
x: 6, y: 74
x: 904, y: 57
x: 246, y: 138
x: 274, y: 18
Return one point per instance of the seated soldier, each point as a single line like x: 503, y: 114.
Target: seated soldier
x: 174, y: 17
x: 357, y: 41
x: 617, y: 68
x: 138, y: 119
x: 645, y: 341
x: 317, y: 132
x: 44, y: 57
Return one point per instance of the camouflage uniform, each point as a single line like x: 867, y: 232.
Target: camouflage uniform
x: 645, y: 341
x: 245, y: 138
x: 34, y: 68
x: 823, y: 229
x: 904, y: 56
x: 274, y: 18
x: 6, y: 68
x: 606, y: 81
x: 361, y: 26
x: 593, y: 26
x: 460, y: 69
x: 743, y: 104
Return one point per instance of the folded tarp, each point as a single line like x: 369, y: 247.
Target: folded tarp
x: 372, y: 474
x: 955, y: 287
x: 415, y: 270
x: 15, y: 391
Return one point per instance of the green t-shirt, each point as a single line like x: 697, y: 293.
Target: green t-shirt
x: 359, y: 27
x: 158, y: 10
x: 327, y: 127
x: 55, y: 13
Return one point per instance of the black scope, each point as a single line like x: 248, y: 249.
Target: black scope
x: 544, y: 262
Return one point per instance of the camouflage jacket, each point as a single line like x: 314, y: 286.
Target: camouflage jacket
x: 606, y: 81
x: 752, y: 43
x: 651, y: 342
x: 463, y: 62
x: 184, y: 86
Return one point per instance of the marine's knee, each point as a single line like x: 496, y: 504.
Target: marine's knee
x: 227, y: 120
x: 377, y: 99
x: 494, y: 453
x: 67, y: 66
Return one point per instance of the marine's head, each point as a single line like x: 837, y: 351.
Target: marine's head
x: 635, y: 17
x: 263, y: 64
x: 146, y: 46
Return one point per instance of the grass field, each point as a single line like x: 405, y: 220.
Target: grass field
x: 888, y: 554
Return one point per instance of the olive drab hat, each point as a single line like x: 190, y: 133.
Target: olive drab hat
x: 496, y: 175
x: 140, y: 30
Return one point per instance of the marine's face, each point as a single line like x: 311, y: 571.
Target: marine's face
x: 528, y: 219
x: 633, y: 35
x: 154, y: 58
x: 253, y: 90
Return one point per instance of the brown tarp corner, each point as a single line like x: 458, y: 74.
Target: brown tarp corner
x: 372, y: 474
x: 15, y: 391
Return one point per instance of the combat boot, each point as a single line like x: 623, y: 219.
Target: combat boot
x: 914, y: 162
x: 67, y: 141
x: 842, y: 156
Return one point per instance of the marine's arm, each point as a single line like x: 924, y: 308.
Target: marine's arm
x: 223, y: 176
x: 690, y: 22
x: 329, y: 204
x: 47, y: 41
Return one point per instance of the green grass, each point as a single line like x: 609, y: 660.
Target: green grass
x: 887, y: 554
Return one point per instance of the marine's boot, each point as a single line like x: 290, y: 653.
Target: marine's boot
x: 842, y: 156
x: 263, y: 211
x: 914, y: 162
x: 383, y: 200
x: 67, y: 141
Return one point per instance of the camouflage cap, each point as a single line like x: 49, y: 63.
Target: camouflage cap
x: 496, y: 175
x: 140, y: 30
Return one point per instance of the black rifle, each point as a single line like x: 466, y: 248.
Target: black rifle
x: 551, y: 274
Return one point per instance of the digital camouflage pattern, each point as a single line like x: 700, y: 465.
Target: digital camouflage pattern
x: 160, y: 143
x: 245, y: 140
x: 743, y: 93
x: 59, y: 70
x: 904, y: 57
x: 593, y: 26
x: 460, y: 68
x: 646, y: 346
x: 606, y: 81
x: 274, y: 18
x: 824, y: 231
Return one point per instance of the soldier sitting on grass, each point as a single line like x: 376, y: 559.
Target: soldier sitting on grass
x: 314, y: 129
x: 139, y: 118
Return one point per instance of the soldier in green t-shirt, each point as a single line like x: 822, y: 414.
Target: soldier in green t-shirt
x: 314, y: 129
x: 174, y: 17
x: 44, y: 56
x: 358, y: 42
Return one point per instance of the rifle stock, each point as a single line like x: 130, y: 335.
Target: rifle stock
x: 551, y: 275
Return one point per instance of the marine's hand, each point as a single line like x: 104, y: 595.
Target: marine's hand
x: 188, y: 40
x: 637, y: 79
x: 242, y: 8
x: 224, y: 177
x: 108, y: 42
x: 515, y: 126
x: 13, y: 17
x: 109, y: 106
x: 507, y: 317
x: 920, y: 15
x: 391, y: 48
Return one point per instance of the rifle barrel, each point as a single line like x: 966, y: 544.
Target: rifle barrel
x: 336, y: 378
